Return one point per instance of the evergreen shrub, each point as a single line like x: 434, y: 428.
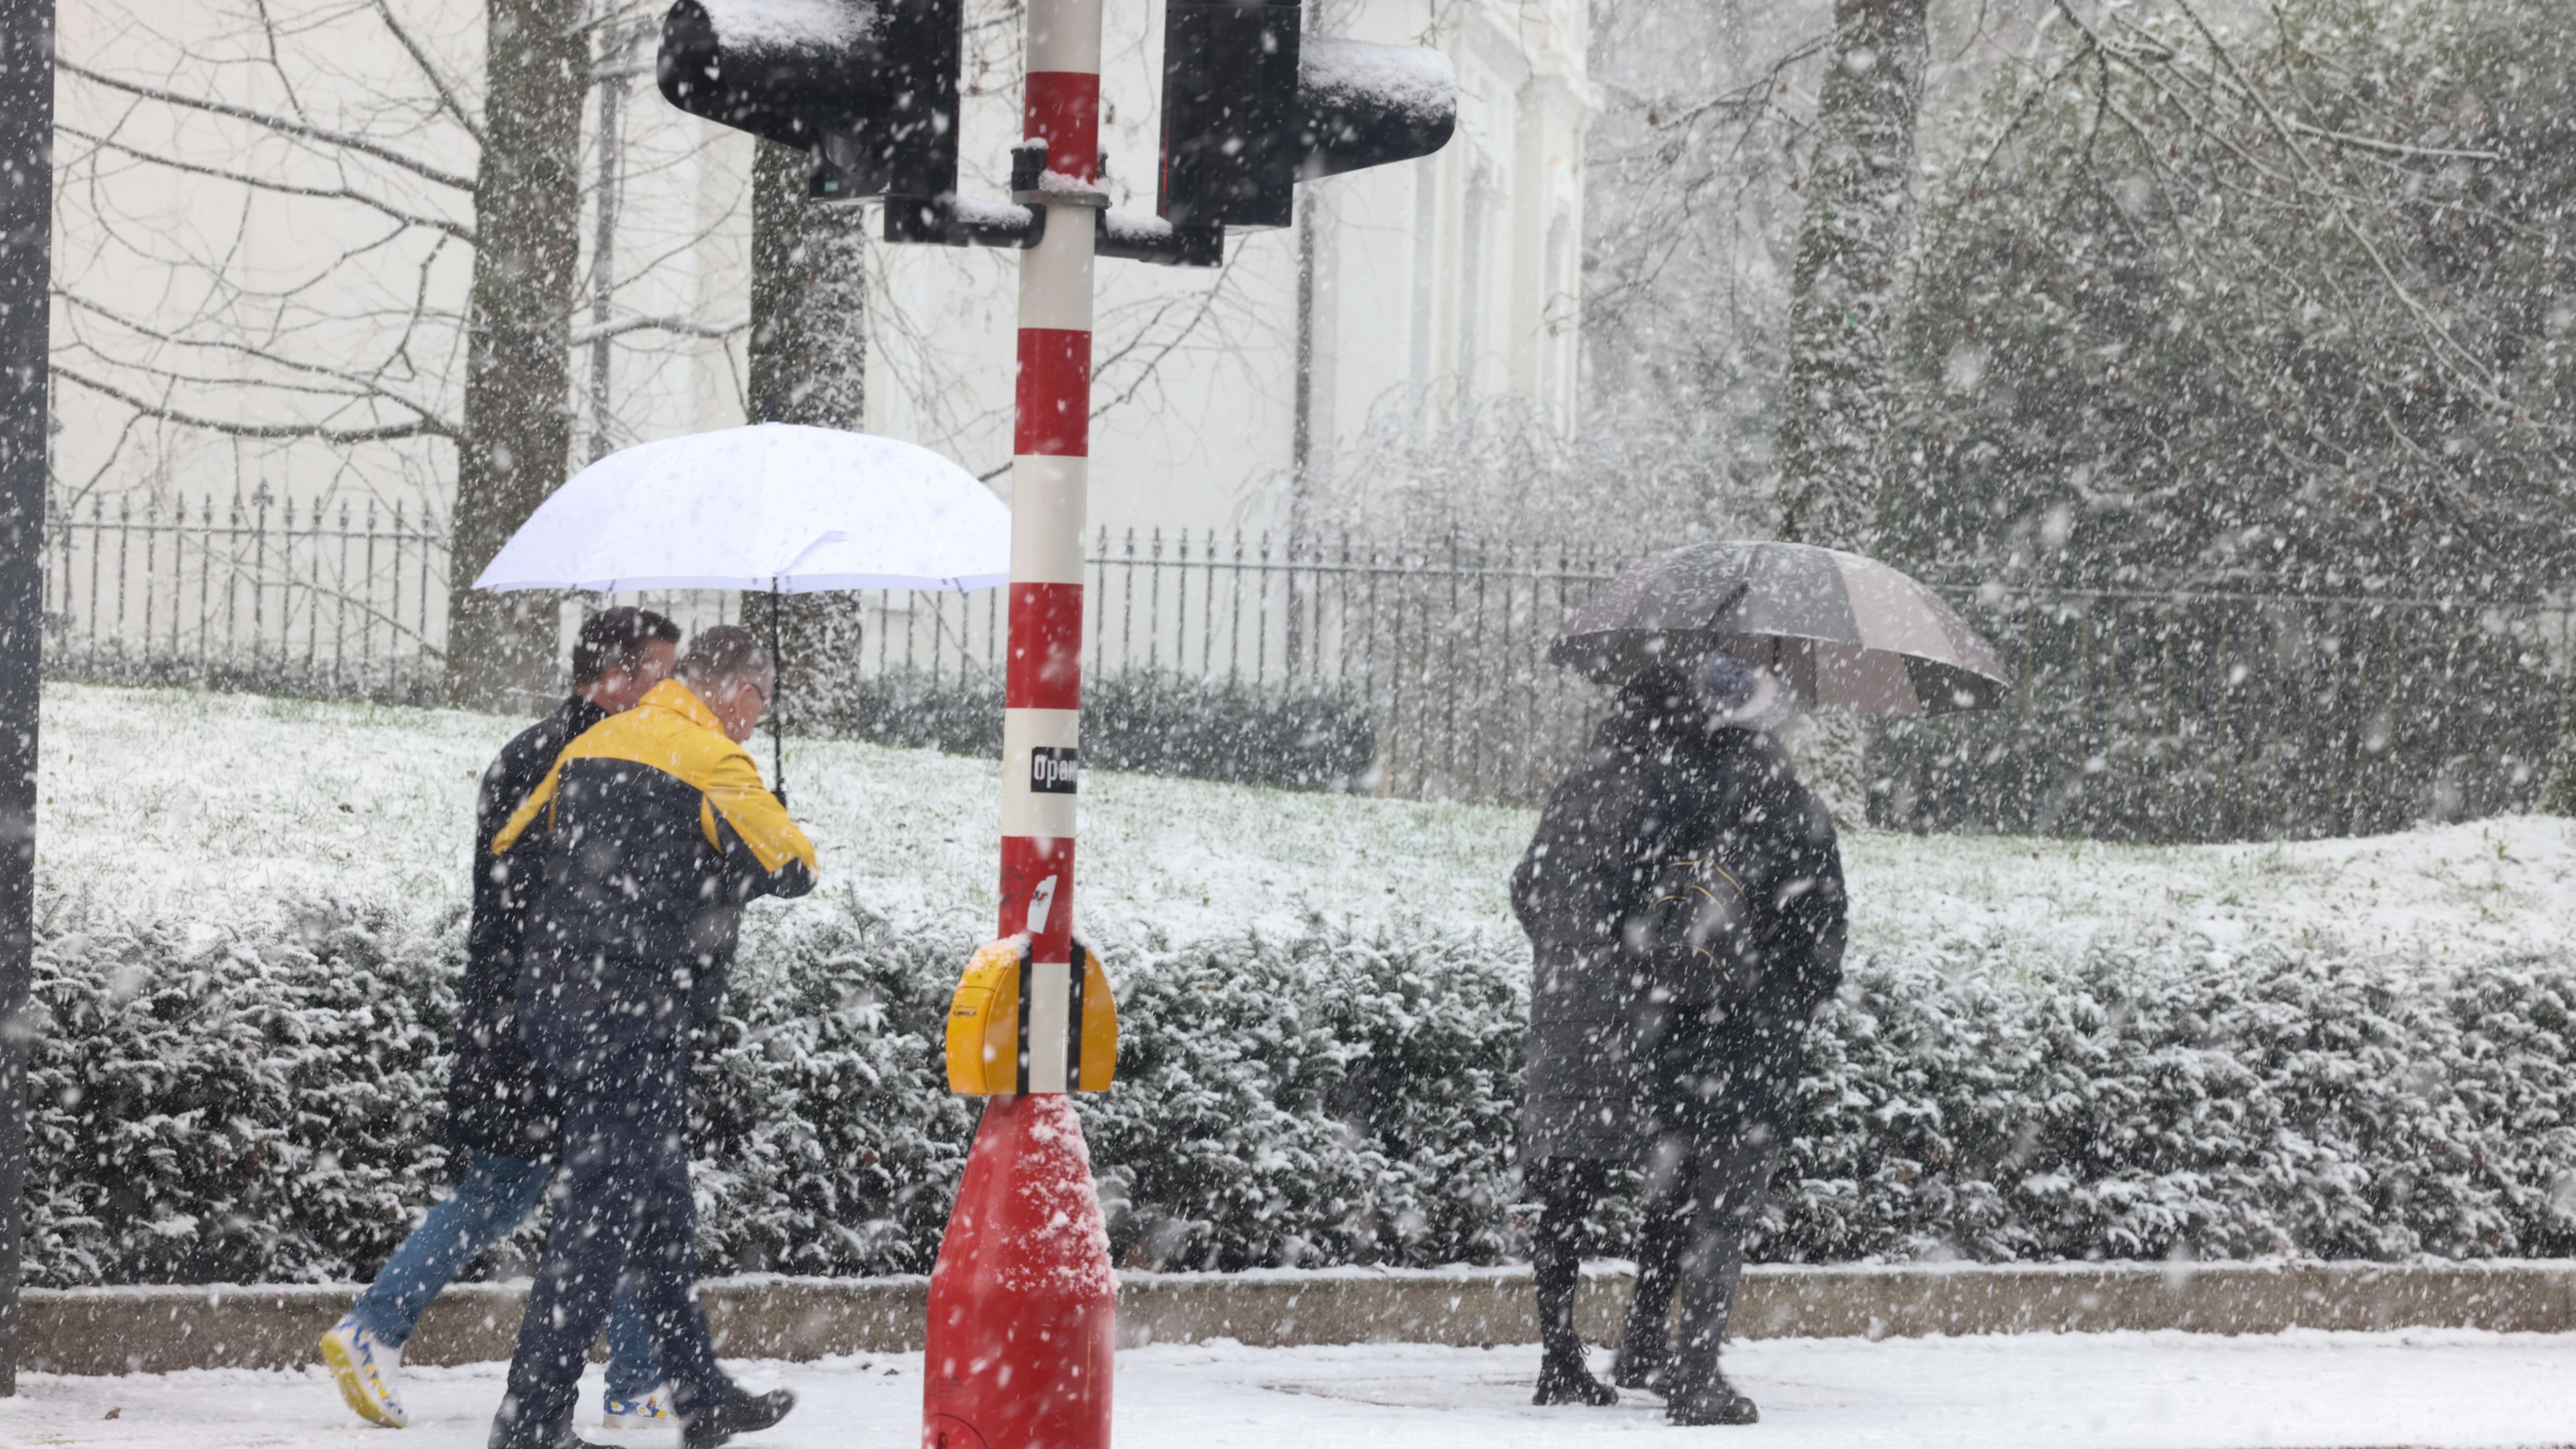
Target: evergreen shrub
x: 228, y: 1103
x: 1304, y: 738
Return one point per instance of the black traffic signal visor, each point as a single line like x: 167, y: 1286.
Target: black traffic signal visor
x: 1252, y: 106
x: 786, y: 72
x: 868, y: 88
x: 1366, y: 104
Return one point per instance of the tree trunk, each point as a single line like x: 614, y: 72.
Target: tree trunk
x: 1833, y: 417
x: 809, y: 355
x: 1833, y: 424
x: 518, y: 422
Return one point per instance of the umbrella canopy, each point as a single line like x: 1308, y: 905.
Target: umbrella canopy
x: 1848, y: 632
x: 771, y: 506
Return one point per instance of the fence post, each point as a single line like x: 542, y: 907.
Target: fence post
x: 97, y: 537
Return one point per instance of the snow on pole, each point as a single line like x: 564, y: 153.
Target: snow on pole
x: 1022, y: 1302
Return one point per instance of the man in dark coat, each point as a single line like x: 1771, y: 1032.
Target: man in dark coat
x: 656, y: 832
x: 500, y: 1111
x: 1741, y: 943
x: 1638, y: 1044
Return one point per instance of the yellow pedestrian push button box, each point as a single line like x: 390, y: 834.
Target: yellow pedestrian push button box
x: 1014, y: 1027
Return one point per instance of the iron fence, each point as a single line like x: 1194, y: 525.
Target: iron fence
x: 1418, y: 667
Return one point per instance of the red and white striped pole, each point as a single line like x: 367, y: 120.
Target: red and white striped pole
x: 1022, y: 1302
x: 1050, y: 474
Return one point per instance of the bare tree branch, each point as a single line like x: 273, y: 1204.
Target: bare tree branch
x: 430, y: 72
x: 323, y: 432
x: 343, y: 192
x: 280, y: 124
x: 371, y: 386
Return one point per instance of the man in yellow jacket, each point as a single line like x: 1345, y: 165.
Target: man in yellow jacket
x: 657, y: 832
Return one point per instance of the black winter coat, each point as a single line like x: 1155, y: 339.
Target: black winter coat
x: 656, y: 831
x: 497, y: 1098
x: 1680, y: 874
x: 1741, y: 943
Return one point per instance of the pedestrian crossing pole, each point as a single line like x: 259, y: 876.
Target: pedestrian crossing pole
x: 26, y: 250
x: 1022, y: 1302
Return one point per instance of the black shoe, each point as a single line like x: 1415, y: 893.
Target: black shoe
x: 1567, y: 1381
x: 1714, y: 1402
x: 568, y: 1440
x: 737, y: 1413
x: 1649, y: 1369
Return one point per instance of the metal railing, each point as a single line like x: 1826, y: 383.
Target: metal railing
x: 345, y: 600
x: 2140, y: 714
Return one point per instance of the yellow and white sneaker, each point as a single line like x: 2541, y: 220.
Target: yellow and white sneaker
x: 367, y: 1370
x: 648, y: 1412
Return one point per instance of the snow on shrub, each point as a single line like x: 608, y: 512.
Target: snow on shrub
x: 235, y: 1103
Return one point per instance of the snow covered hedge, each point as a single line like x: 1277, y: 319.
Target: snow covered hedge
x: 228, y: 1105
x: 1315, y: 738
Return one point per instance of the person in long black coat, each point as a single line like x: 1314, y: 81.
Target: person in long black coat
x: 1642, y: 1053
x: 1741, y: 943
x: 1601, y: 841
x: 501, y: 1112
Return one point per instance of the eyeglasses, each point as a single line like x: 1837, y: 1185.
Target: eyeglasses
x: 756, y: 689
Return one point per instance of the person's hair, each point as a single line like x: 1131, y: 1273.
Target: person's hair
x: 618, y: 637
x: 722, y: 657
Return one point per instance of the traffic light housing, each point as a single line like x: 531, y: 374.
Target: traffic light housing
x: 1251, y: 106
x: 867, y: 88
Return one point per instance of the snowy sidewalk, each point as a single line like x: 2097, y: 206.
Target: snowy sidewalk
x: 2117, y: 1391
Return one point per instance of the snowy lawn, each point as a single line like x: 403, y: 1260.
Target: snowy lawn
x: 215, y: 805
x: 2117, y: 1391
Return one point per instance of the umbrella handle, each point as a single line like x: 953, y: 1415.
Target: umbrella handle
x: 777, y: 685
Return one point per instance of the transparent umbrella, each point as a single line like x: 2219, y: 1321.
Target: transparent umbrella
x: 1849, y: 633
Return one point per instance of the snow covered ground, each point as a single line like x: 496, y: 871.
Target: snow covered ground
x: 2116, y: 1391
x: 217, y: 805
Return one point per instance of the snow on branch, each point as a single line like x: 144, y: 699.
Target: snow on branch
x: 675, y: 325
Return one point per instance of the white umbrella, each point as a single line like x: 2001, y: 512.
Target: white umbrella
x: 773, y: 507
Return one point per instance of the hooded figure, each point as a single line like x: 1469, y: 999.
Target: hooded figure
x: 1683, y: 897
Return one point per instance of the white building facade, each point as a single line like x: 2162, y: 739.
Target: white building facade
x: 1431, y: 284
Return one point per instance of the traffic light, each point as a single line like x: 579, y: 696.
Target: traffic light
x: 868, y: 88
x: 1251, y: 107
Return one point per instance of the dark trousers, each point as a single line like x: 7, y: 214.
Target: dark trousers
x: 1663, y: 1232
x: 1569, y: 1190
x: 1696, y: 1233
x: 625, y: 1211
x: 1690, y: 1244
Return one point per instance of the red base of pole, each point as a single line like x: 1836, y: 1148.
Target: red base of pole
x: 1023, y: 1307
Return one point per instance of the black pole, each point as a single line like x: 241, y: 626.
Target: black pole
x: 777, y: 685
x: 26, y: 258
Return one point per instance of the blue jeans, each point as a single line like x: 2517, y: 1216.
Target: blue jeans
x: 496, y: 1196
